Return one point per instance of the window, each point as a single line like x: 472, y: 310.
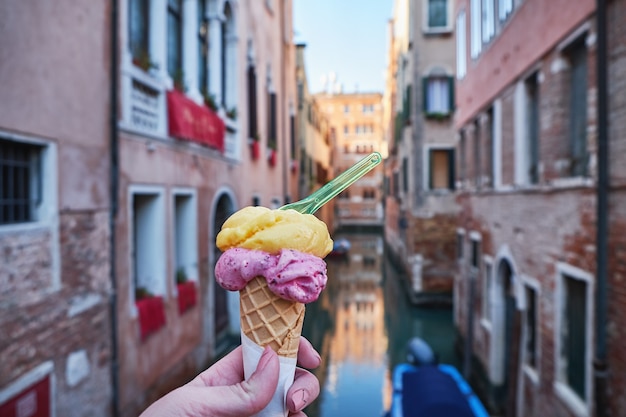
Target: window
x: 203, y: 47
x: 253, y: 131
x: 463, y: 158
x: 489, y: 20
x: 475, y: 27
x: 490, y: 137
x: 461, y: 45
x: 441, y: 169
x: 437, y: 14
x: 272, y: 141
x: 368, y: 108
x: 147, y: 242
x: 21, y: 181
x: 185, y: 236
x: 532, y: 128
x: 228, y: 55
x: 346, y: 108
x: 405, y: 175
x: 139, y: 28
x: 475, y: 252
x: 174, y: 37
x: 460, y: 243
x: 532, y: 330
x: 486, y: 296
x: 573, y: 333
x: 504, y: 9
x: 577, y: 56
x: 477, y: 154
x: 438, y: 95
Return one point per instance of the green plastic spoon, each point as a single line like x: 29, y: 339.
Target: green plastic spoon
x: 312, y: 203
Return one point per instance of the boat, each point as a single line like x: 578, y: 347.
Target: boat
x: 341, y: 247
x: 424, y: 387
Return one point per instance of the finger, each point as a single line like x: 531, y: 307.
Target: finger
x: 226, y: 371
x: 304, y: 390
x: 298, y: 414
x: 241, y: 399
x: 307, y: 355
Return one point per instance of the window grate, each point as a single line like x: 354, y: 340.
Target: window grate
x: 19, y: 182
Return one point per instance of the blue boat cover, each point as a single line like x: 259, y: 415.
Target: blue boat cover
x: 430, y: 392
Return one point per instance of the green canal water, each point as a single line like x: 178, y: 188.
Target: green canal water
x: 361, y: 325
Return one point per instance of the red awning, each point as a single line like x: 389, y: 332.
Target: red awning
x: 191, y: 121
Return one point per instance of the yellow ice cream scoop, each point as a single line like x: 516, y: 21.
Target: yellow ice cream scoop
x: 259, y: 228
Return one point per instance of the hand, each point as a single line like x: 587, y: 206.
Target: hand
x: 221, y: 390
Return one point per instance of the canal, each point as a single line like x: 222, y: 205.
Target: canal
x: 361, y: 325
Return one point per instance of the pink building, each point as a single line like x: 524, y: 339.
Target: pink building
x: 205, y: 129
x: 55, y: 276
x: 108, y: 213
x: 534, y: 260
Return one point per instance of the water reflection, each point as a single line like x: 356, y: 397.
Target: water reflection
x: 361, y: 325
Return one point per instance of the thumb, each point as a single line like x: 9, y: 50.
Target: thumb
x: 250, y: 396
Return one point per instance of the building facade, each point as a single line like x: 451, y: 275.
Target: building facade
x: 229, y: 65
x: 129, y: 131
x: 314, y: 139
x: 55, y: 280
x: 356, y: 120
x: 420, y: 200
x: 531, y: 303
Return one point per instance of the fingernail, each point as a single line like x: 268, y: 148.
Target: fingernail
x: 300, y: 399
x: 264, y: 359
x: 319, y: 359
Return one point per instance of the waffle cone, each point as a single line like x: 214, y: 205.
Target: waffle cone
x: 267, y: 319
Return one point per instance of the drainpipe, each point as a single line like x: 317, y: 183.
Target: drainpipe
x: 114, y: 183
x: 600, y: 361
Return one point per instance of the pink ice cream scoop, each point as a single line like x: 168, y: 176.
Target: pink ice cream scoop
x: 290, y: 274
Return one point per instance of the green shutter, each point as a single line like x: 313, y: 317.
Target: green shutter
x: 425, y: 94
x: 451, y: 92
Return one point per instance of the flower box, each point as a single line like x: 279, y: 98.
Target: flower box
x: 254, y: 149
x: 187, y: 296
x: 151, y: 311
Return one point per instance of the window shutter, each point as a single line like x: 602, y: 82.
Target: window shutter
x: 425, y: 94
x: 452, y: 105
x: 252, y: 115
x: 408, y: 103
x: 431, y: 169
x: 273, y: 138
x: 451, y: 169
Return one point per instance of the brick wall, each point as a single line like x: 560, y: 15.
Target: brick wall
x: 616, y: 325
x: 66, y: 323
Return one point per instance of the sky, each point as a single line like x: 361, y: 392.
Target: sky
x: 347, y: 38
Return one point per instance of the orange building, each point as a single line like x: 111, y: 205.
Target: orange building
x: 356, y: 119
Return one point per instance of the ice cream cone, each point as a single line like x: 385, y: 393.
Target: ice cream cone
x: 267, y: 319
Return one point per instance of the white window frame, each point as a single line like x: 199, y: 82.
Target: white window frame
x: 487, y: 278
x: 531, y: 372
x: 488, y: 20
x: 579, y: 406
x: 432, y: 30
x: 158, y: 283
x: 185, y: 252
x: 461, y: 45
x: 47, y: 213
x: 476, y: 43
x: 505, y: 8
